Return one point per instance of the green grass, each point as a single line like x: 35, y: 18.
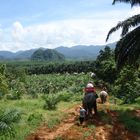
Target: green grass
x: 126, y: 115
x: 120, y: 106
x: 59, y: 138
x: 53, y: 122
x: 131, y: 122
x: 87, y: 134
x: 91, y: 126
x: 34, y: 115
x: 105, y: 118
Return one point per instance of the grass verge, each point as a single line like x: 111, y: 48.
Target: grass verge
x: 34, y: 115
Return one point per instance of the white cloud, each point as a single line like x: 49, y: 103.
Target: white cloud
x: 18, y: 32
x: 60, y: 33
x: 68, y: 32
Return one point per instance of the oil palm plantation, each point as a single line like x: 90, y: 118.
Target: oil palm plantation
x: 128, y: 47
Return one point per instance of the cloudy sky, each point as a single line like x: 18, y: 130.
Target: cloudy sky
x: 26, y: 24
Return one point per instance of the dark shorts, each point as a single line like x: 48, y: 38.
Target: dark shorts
x: 81, y: 119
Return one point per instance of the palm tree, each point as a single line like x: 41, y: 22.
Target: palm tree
x: 132, y: 2
x: 128, y: 47
x: 7, y: 119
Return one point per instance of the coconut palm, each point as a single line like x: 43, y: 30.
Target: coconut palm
x: 128, y: 48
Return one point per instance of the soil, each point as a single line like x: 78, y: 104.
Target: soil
x: 95, y: 128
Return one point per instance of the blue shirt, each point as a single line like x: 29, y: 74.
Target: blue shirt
x: 82, y: 113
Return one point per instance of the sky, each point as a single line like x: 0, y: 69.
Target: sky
x: 27, y: 24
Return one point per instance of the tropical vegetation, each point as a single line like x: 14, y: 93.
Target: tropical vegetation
x: 35, y: 92
x: 128, y: 48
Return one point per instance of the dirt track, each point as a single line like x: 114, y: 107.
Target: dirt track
x: 93, y: 129
x: 44, y: 133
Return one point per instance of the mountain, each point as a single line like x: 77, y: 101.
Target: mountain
x: 6, y: 54
x: 48, y: 54
x: 18, y: 55
x: 75, y: 52
x: 83, y: 51
x: 25, y: 54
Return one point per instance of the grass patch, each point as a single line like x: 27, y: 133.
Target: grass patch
x: 131, y: 122
x: 105, y: 117
x: 53, y: 122
x: 119, y: 106
x: 59, y: 138
x: 34, y: 115
x: 91, y: 127
x: 87, y: 134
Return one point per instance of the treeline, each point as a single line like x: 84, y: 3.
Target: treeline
x: 43, y: 67
x: 66, y: 67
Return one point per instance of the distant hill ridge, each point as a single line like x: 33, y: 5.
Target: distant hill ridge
x: 75, y: 52
x: 47, y: 55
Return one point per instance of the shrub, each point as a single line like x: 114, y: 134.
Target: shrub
x: 53, y: 122
x: 51, y: 101
x: 66, y: 97
x: 127, y: 85
x: 32, y: 92
x: 1, y: 95
x: 15, y: 95
x: 35, y: 118
x: 3, y: 81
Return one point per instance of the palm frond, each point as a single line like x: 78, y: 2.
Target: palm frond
x: 125, y: 25
x: 128, y: 48
x: 11, y: 116
x: 132, y: 2
x: 6, y: 129
x: 6, y: 121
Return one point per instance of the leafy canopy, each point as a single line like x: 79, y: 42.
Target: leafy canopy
x: 128, y: 48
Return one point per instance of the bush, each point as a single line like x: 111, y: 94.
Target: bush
x: 51, y: 101
x: 1, y: 95
x: 35, y: 118
x: 15, y: 95
x: 77, y: 97
x: 3, y: 86
x: 127, y: 85
x: 32, y: 92
x: 53, y: 122
x: 66, y: 97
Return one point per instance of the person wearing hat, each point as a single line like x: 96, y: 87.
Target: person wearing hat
x: 82, y: 115
x: 90, y: 88
x: 90, y: 94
